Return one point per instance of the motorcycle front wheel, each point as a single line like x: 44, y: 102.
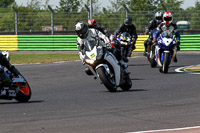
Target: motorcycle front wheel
x: 127, y: 85
x: 108, y: 82
x: 24, y: 93
x: 166, y: 63
x: 152, y: 57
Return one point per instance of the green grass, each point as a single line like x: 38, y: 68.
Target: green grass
x: 44, y: 58
x: 41, y: 58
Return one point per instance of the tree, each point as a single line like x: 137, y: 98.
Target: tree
x: 69, y: 5
x: 34, y: 4
x: 173, y: 5
x: 195, y: 16
x: 6, y: 3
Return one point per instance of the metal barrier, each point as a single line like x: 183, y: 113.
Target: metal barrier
x: 190, y: 42
x: 47, y: 42
x: 8, y: 42
x: 68, y: 42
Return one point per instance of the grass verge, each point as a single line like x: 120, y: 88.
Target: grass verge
x: 41, y: 58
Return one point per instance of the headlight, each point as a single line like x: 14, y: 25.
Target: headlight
x: 89, y: 61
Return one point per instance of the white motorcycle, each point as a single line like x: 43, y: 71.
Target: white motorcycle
x: 103, y: 64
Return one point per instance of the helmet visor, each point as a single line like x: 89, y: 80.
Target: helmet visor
x: 158, y: 18
x: 82, y: 32
x: 167, y: 18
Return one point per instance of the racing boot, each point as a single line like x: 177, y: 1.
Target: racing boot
x: 129, y: 53
x: 123, y: 64
x: 88, y: 71
x: 175, y: 59
x: 145, y: 53
x: 125, y: 59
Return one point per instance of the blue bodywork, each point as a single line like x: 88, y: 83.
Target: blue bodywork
x: 126, y: 42
x: 163, y: 46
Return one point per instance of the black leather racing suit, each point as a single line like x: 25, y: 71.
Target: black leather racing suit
x: 4, y: 62
x: 131, y: 29
x: 150, y: 29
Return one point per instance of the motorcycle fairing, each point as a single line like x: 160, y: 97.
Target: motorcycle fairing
x: 113, y: 61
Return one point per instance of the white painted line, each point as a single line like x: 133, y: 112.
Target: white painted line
x: 179, y: 69
x: 165, y: 130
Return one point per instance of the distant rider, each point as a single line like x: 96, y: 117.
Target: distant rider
x: 128, y: 26
x: 153, y: 24
x: 92, y: 23
x: 167, y: 25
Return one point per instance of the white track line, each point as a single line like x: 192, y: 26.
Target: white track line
x: 165, y: 130
x: 179, y: 69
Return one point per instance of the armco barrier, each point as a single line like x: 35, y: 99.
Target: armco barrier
x: 140, y: 42
x: 68, y: 42
x: 8, y: 42
x: 190, y: 42
x: 47, y: 42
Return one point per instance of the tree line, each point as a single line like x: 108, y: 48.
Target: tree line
x: 36, y: 14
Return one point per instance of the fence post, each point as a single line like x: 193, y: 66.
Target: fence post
x: 52, y: 19
x: 127, y: 11
x: 91, y: 11
x: 16, y: 20
x: 88, y: 11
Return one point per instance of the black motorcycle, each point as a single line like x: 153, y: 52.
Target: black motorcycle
x: 13, y: 87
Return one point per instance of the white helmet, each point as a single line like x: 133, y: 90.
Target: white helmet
x: 167, y: 18
x: 81, y: 30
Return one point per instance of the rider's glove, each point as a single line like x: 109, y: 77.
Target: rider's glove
x: 154, y: 40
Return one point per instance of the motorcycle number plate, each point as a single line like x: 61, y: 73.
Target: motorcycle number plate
x: 12, y: 93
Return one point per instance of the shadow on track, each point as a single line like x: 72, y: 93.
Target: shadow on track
x: 131, y: 90
x: 137, y: 79
x: 36, y: 101
x: 138, y: 64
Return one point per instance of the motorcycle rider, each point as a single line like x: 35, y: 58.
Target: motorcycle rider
x: 128, y: 26
x: 91, y: 23
x: 89, y: 34
x: 153, y: 24
x: 5, y: 62
x: 167, y: 25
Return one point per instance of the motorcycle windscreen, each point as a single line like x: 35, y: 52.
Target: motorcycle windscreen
x: 89, y: 45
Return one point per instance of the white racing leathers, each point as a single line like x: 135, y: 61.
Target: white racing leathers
x: 93, y: 34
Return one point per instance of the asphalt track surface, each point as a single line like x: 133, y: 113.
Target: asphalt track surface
x: 66, y: 100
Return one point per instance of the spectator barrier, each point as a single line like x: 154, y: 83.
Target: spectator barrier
x: 68, y: 42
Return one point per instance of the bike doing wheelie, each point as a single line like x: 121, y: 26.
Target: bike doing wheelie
x: 163, y: 51
x: 103, y: 64
x: 12, y: 85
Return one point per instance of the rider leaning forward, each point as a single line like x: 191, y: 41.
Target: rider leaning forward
x: 167, y: 25
x: 150, y: 29
x: 90, y: 34
x: 128, y: 26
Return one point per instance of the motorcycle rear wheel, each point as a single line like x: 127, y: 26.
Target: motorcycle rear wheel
x: 24, y: 93
x: 106, y: 80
